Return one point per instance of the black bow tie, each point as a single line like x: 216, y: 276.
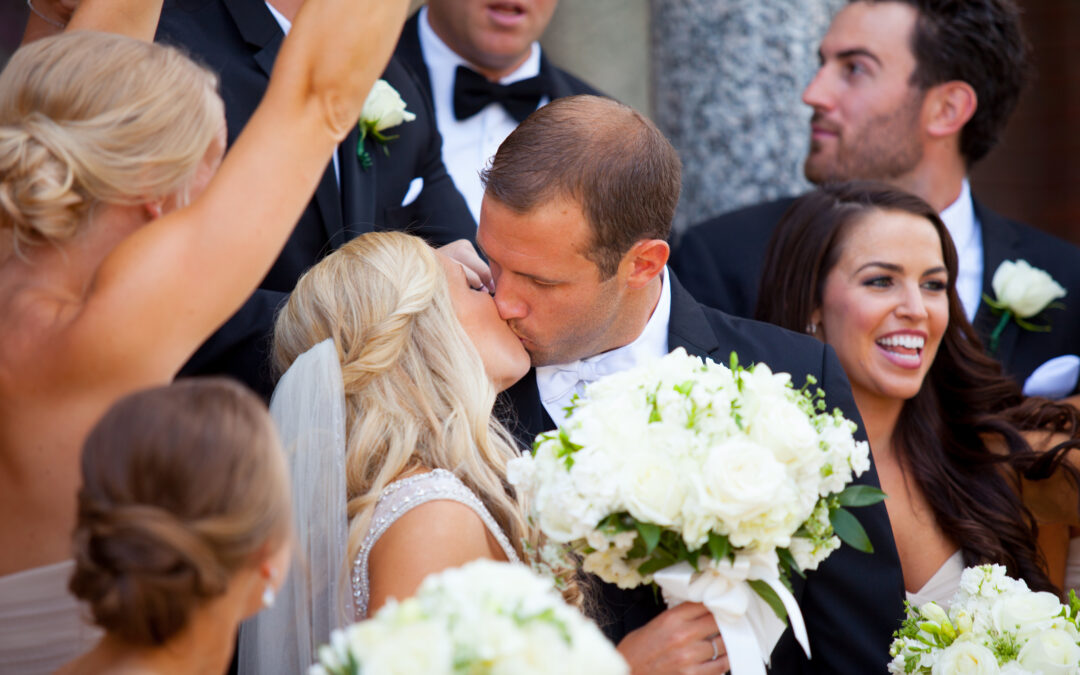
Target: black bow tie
x: 473, y: 91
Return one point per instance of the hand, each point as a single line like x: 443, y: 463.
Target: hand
x: 680, y: 640
x: 476, y: 270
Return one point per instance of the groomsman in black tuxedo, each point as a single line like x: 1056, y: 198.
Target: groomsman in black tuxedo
x: 484, y: 72
x: 402, y: 185
x: 578, y: 206
x: 914, y: 92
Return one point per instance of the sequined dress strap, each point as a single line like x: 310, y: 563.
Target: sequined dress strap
x: 396, y: 500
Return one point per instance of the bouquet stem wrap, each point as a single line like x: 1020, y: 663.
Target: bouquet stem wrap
x: 750, y: 627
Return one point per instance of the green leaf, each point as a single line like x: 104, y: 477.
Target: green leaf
x: 787, y: 559
x: 769, y: 595
x: 860, y: 495
x: 655, y: 565
x: 719, y: 546
x: 850, y: 531
x: 650, y: 534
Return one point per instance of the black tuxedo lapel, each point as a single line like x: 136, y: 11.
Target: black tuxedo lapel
x: 260, y: 30
x: 522, y: 412
x: 688, y: 327
x: 1000, y: 242
x: 409, y: 51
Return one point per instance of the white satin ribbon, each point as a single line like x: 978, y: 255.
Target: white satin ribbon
x: 748, y: 625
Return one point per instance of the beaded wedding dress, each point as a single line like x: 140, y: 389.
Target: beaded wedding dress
x: 398, y: 499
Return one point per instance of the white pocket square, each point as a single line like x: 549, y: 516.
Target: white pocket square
x: 1054, y: 379
x: 416, y: 186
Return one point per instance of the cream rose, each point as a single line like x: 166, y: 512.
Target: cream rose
x: 384, y: 108
x: 1024, y: 290
x: 966, y: 658
x: 1051, y: 651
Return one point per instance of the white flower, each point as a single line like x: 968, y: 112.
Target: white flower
x: 384, y: 109
x: 1025, y: 613
x: 1051, y: 651
x: 966, y: 658
x: 1024, y: 290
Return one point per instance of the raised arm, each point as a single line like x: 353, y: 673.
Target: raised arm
x: 177, y: 279
x: 134, y: 18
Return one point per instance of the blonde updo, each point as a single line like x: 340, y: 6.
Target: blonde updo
x: 182, y: 487
x: 87, y: 118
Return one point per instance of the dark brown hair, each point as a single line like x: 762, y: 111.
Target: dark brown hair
x: 182, y: 486
x: 940, y: 434
x: 601, y: 154
x: 975, y: 41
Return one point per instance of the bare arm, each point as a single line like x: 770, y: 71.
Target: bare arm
x: 165, y: 288
x: 134, y: 18
x: 429, y: 538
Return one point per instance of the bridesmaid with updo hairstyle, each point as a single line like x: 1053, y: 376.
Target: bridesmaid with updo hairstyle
x: 184, y: 527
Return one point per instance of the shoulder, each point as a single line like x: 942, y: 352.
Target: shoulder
x: 1044, y: 250
x: 428, y: 538
x: 564, y: 83
x: 759, y: 342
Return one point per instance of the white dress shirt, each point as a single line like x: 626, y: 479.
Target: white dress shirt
x: 286, y: 26
x: 959, y: 218
x: 468, y: 145
x: 558, y: 384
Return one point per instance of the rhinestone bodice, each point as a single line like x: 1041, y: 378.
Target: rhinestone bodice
x: 396, y: 500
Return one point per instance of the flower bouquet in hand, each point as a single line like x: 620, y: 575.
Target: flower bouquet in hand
x: 485, y: 617
x: 995, y: 624
x: 713, y: 482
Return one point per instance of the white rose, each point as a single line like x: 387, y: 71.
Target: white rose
x: 1025, y: 613
x: 1051, y: 651
x: 966, y: 658
x: 651, y: 487
x: 1023, y: 289
x: 741, y: 481
x: 384, y: 108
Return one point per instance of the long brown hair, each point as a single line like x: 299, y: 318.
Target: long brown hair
x: 940, y: 435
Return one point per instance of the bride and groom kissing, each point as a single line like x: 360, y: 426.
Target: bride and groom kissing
x: 393, y: 358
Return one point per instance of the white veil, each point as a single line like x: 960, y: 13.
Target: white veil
x: 308, y: 408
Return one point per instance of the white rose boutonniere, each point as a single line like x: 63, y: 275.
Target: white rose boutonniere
x: 1021, y: 291
x: 383, y: 109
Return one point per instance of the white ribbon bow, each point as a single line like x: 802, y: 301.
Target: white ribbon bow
x: 748, y: 625
x: 564, y: 379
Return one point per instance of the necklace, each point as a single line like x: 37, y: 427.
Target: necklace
x: 48, y: 20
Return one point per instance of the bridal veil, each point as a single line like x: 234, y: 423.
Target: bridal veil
x: 308, y: 408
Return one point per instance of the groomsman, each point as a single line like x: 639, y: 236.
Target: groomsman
x: 913, y: 93
x: 577, y: 209
x: 484, y: 72
x: 399, y: 185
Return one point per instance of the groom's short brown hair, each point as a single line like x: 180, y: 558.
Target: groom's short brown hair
x: 603, y: 155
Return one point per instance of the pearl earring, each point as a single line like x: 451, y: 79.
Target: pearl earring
x: 811, y: 328
x: 268, y: 595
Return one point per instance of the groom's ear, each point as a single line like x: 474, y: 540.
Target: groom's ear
x: 644, y: 261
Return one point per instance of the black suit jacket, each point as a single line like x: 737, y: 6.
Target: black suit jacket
x: 720, y: 261
x: 854, y: 601
x: 239, y: 40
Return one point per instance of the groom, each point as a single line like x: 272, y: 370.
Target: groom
x: 577, y: 209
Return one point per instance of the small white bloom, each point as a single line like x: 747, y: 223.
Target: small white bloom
x: 384, y: 108
x: 1023, y: 289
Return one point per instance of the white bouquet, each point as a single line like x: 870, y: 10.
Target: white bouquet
x: 715, y: 483
x: 486, y: 617
x: 995, y: 624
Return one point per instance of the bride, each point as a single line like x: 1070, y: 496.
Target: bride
x: 394, y: 360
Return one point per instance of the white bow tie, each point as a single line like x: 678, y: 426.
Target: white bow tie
x: 568, y: 378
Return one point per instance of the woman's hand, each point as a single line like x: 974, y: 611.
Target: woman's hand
x: 683, y: 639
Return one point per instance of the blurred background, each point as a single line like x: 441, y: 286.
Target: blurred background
x: 723, y: 80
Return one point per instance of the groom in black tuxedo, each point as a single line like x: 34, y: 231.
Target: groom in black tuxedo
x: 578, y: 206
x: 405, y: 187
x: 913, y: 93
